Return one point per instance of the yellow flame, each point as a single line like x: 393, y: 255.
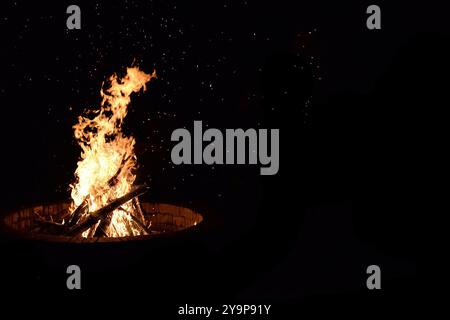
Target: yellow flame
x: 105, y: 171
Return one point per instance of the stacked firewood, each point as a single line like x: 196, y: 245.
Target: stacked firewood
x: 81, y: 219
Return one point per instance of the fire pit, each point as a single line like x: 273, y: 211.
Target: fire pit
x: 105, y: 200
x: 109, y: 264
x: 162, y: 219
x: 117, y: 240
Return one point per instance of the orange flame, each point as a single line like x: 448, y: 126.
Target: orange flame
x: 106, y: 169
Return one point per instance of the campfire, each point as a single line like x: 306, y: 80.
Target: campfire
x: 105, y: 174
x: 104, y: 198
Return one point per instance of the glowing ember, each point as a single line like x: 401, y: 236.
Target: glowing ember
x: 106, y: 169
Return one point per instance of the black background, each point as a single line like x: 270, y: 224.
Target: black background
x: 355, y: 107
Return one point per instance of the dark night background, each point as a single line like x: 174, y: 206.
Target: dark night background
x: 353, y: 107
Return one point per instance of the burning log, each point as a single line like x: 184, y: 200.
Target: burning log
x: 104, y: 224
x: 50, y: 226
x: 138, y: 222
x: 91, y: 232
x: 140, y: 225
x: 102, y: 213
x: 78, y: 213
x: 114, y: 179
x: 138, y: 209
x: 128, y: 226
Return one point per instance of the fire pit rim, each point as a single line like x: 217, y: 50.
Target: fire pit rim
x: 7, y: 229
